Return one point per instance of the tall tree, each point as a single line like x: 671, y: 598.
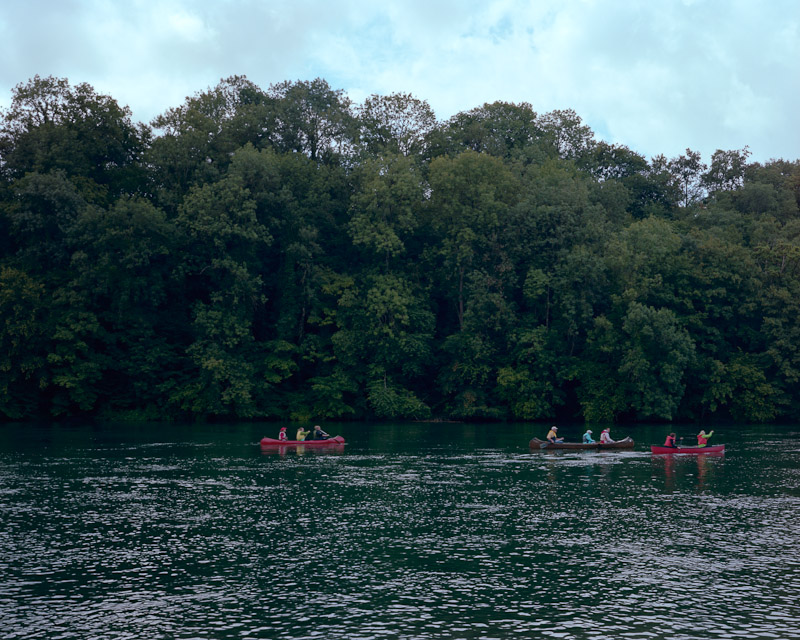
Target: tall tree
x: 197, y: 139
x: 470, y: 194
x: 312, y: 118
x: 688, y: 171
x: 397, y: 123
x: 51, y: 126
x: 502, y: 129
x: 224, y: 367
x: 385, y: 210
x: 727, y: 170
x: 566, y: 132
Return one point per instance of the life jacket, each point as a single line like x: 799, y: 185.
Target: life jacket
x: 282, y: 436
x: 701, y: 440
x: 670, y: 441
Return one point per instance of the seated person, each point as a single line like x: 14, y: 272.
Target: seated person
x: 587, y: 437
x: 670, y: 441
x: 301, y: 434
x: 282, y: 435
x: 702, y: 437
x: 552, y: 436
x: 605, y: 436
x: 319, y: 434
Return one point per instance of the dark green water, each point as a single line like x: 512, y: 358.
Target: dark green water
x: 408, y: 531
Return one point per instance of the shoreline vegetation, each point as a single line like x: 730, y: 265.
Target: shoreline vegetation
x: 286, y: 254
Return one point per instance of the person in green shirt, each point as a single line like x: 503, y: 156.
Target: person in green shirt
x: 702, y: 437
x: 301, y: 434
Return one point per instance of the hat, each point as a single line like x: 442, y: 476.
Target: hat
x: 283, y: 428
x: 554, y: 428
x: 588, y: 431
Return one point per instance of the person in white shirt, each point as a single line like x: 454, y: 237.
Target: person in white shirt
x: 605, y: 437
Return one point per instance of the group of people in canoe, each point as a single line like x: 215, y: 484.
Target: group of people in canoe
x: 605, y: 436
x: 302, y: 435
x: 702, y: 439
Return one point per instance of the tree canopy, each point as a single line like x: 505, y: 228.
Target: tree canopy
x: 283, y: 253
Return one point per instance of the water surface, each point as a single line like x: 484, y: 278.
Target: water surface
x: 408, y: 531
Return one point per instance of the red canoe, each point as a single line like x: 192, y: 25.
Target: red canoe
x: 718, y: 448
x: 272, y: 442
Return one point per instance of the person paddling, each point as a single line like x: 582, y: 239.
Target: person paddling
x: 552, y: 435
x: 587, y: 437
x: 670, y: 441
x: 702, y: 437
x: 301, y: 434
x: 605, y: 436
x: 319, y: 434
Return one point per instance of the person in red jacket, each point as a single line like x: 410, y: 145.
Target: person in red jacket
x: 605, y: 436
x: 702, y: 438
x: 282, y: 435
x: 670, y: 441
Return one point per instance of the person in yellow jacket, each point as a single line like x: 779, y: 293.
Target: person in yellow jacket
x: 552, y: 435
x: 301, y: 434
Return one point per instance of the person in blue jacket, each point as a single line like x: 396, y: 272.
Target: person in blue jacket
x: 587, y: 437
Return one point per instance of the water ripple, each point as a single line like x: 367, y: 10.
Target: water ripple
x: 180, y: 541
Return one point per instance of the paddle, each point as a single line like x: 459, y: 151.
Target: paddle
x: 546, y: 442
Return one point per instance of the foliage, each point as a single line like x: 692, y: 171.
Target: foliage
x: 285, y: 254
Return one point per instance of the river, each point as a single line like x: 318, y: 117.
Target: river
x: 409, y: 531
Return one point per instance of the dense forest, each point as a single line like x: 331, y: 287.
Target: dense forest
x: 287, y: 254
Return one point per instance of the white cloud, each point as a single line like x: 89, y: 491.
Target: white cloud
x: 658, y: 77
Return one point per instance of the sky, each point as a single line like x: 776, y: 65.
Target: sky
x: 658, y: 76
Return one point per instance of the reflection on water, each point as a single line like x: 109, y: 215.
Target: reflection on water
x: 302, y: 449
x: 684, y: 462
x: 219, y: 539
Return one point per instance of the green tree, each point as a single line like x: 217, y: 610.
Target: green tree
x: 223, y: 365
x: 687, y: 172
x: 635, y: 368
x: 502, y: 129
x: 124, y: 264
x: 470, y: 196
x: 52, y: 126
x: 22, y: 343
x: 566, y: 132
x: 727, y: 170
x: 312, y: 118
x: 198, y: 139
x: 385, y: 210
x: 384, y: 342
x: 397, y: 123
x: 41, y: 213
x: 303, y: 205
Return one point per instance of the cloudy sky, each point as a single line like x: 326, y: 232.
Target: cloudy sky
x: 656, y: 75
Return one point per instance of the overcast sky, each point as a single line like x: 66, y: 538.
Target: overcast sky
x: 656, y: 75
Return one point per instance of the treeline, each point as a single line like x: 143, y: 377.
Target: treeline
x: 287, y: 254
